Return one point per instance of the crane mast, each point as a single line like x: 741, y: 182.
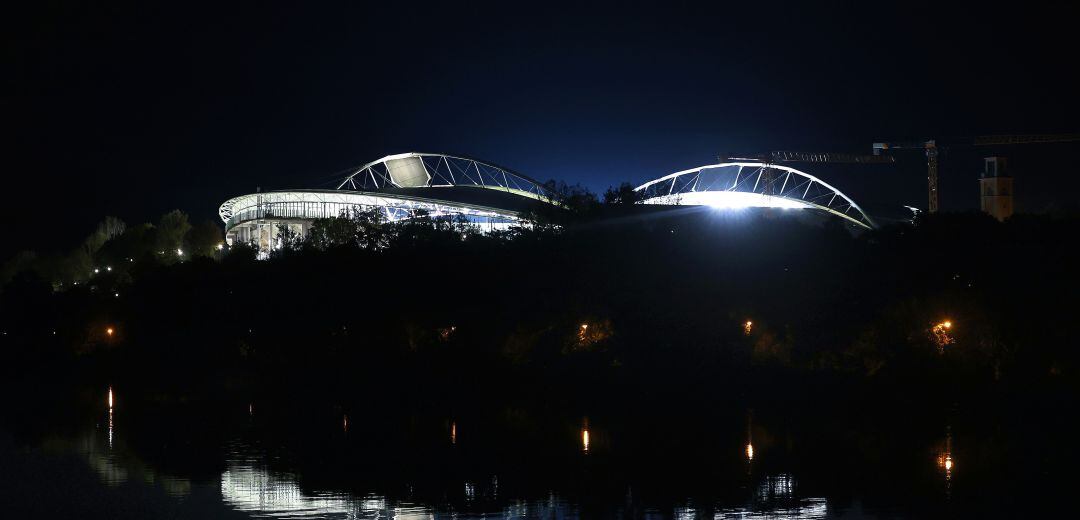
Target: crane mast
x: 931, y: 176
x: 931, y: 148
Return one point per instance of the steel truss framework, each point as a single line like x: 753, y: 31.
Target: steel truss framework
x: 313, y: 204
x: 444, y: 171
x: 752, y: 184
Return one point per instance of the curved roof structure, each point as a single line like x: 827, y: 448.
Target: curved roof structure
x: 402, y: 184
x: 748, y: 184
x: 401, y: 187
x: 430, y: 170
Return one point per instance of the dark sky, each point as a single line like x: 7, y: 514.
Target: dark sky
x: 135, y: 109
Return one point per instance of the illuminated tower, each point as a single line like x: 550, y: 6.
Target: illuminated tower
x: 996, y: 188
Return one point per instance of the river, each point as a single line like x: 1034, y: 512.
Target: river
x: 99, y: 457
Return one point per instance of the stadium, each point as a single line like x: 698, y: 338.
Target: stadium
x: 402, y: 186
x: 490, y: 197
x: 753, y: 184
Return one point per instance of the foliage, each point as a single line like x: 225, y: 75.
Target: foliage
x: 622, y: 194
x: 665, y: 297
x: 22, y: 261
x: 171, y: 231
x: 108, y: 229
x: 361, y: 229
x: 204, y: 239
x: 113, y: 249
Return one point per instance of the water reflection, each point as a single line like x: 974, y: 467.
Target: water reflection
x: 805, y: 508
x: 945, y: 460
x: 258, y: 470
x: 106, y: 454
x: 776, y: 496
x: 250, y: 486
x: 749, y: 435
x: 585, y: 436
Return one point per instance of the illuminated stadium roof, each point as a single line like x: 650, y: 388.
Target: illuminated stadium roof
x: 429, y: 170
x: 401, y: 187
x: 401, y: 184
x: 752, y: 184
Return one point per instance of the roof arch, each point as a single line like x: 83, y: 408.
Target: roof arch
x: 433, y: 170
x: 742, y: 184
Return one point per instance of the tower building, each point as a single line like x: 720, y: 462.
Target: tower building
x: 996, y: 188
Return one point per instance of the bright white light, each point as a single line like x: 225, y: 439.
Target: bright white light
x: 689, y: 195
x: 179, y: 252
x: 220, y: 247
x: 736, y: 200
x: 109, y: 268
x: 254, y: 489
x: 96, y: 270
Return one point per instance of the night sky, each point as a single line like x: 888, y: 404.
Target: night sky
x: 133, y: 110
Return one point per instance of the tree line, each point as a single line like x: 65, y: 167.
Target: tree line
x: 611, y: 301
x: 114, y: 245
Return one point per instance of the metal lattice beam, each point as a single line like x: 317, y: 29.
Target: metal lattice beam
x: 752, y: 184
x: 443, y: 170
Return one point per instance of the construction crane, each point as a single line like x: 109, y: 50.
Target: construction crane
x: 931, y: 148
x: 806, y: 157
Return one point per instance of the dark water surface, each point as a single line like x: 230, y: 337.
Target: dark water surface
x: 79, y: 458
